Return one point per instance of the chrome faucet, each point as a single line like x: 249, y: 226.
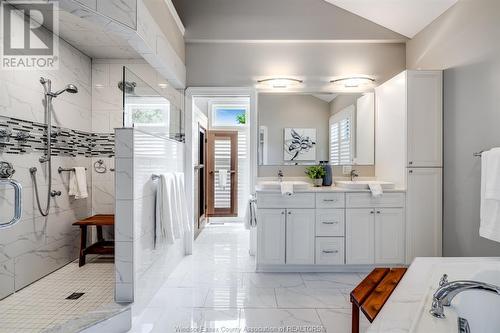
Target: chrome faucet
x: 354, y: 174
x: 448, y: 290
x: 280, y: 175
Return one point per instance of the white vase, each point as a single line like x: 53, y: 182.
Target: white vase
x: 318, y: 182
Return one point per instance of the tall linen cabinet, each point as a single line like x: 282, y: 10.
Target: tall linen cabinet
x: 408, y: 152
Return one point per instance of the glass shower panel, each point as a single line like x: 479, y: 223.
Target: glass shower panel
x: 222, y: 169
x: 149, y: 109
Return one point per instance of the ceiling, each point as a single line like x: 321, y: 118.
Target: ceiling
x: 406, y: 17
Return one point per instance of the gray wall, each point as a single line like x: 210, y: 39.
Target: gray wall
x: 342, y: 101
x: 464, y: 42
x: 242, y: 64
x: 277, y: 111
x: 275, y: 19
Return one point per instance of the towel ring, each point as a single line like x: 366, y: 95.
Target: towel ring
x: 100, y: 167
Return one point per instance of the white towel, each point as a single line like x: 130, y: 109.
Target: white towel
x: 286, y: 188
x: 376, y: 190
x: 182, y: 202
x: 490, y: 195
x: 250, y: 213
x: 78, y: 183
x: 164, y: 230
x: 223, y: 178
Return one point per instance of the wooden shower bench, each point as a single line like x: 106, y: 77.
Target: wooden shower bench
x: 372, y: 293
x: 102, y: 246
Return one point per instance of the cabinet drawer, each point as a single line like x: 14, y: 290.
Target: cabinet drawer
x: 330, y: 222
x: 276, y: 200
x: 366, y: 200
x: 329, y: 200
x: 329, y: 250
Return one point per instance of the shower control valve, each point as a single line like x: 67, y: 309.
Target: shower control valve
x: 6, y: 170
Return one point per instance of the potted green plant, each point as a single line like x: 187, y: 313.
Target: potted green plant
x: 316, y: 173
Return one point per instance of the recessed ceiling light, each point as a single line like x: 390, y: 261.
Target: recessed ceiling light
x: 280, y: 83
x: 353, y: 81
x: 162, y: 85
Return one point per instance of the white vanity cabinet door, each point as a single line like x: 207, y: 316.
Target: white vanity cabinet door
x: 425, y: 118
x: 271, y: 236
x: 389, y: 236
x: 360, y: 236
x: 424, y: 213
x: 300, y: 236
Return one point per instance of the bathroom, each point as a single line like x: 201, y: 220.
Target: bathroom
x: 175, y: 165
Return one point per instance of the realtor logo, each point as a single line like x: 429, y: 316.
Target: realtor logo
x: 29, y: 35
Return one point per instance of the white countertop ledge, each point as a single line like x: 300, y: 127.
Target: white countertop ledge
x: 323, y: 189
x: 408, y: 303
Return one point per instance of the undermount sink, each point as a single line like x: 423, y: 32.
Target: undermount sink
x: 276, y: 185
x: 363, y: 184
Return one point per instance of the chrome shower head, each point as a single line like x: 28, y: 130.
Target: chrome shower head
x: 71, y: 88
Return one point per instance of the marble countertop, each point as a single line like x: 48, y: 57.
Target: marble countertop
x: 327, y: 189
x: 407, y: 303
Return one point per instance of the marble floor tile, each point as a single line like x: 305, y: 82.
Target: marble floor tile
x: 272, y: 280
x: 331, y: 280
x: 241, y: 297
x: 163, y: 320
x: 311, y: 298
x: 179, y: 297
x: 339, y: 320
x: 277, y: 320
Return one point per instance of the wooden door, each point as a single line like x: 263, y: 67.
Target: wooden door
x: 222, y: 158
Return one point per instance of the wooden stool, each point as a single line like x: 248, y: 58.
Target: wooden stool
x: 372, y: 293
x: 101, y: 246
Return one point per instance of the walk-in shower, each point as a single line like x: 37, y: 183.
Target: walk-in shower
x: 47, y: 86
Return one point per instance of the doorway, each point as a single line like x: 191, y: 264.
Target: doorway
x: 222, y: 174
x: 200, y: 175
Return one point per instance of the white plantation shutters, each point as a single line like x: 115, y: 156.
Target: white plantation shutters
x: 341, y: 134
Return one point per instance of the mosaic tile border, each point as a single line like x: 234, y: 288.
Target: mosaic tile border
x: 19, y: 136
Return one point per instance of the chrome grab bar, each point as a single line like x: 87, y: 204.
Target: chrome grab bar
x: 6, y: 171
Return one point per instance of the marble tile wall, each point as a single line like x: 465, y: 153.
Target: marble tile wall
x: 39, y: 245
x: 140, y: 267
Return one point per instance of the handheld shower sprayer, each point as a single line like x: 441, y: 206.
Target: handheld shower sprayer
x: 47, y: 85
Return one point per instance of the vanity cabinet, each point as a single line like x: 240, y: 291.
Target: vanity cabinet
x: 375, y: 228
x: 341, y: 228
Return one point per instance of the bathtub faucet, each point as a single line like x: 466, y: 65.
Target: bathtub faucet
x: 448, y: 290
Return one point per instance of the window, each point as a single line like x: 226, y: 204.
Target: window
x: 229, y: 115
x: 341, y: 134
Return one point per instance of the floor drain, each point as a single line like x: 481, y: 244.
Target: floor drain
x: 75, y: 296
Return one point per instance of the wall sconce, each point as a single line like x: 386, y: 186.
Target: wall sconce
x: 280, y: 83
x: 354, y: 81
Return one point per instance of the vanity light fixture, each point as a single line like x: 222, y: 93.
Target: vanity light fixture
x: 280, y: 83
x: 353, y: 81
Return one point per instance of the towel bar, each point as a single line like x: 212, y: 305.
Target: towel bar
x: 478, y: 154
x: 60, y: 169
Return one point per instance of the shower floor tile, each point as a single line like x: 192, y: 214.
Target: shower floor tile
x: 43, y: 305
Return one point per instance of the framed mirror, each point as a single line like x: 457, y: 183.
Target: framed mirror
x: 306, y: 128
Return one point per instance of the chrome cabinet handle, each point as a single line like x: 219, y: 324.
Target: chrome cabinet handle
x: 372, y: 212
x: 410, y: 163
x: 330, y: 222
x: 378, y: 211
x: 282, y: 213
x: 289, y: 213
x: 330, y: 200
x: 330, y: 251
x: 17, y: 201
